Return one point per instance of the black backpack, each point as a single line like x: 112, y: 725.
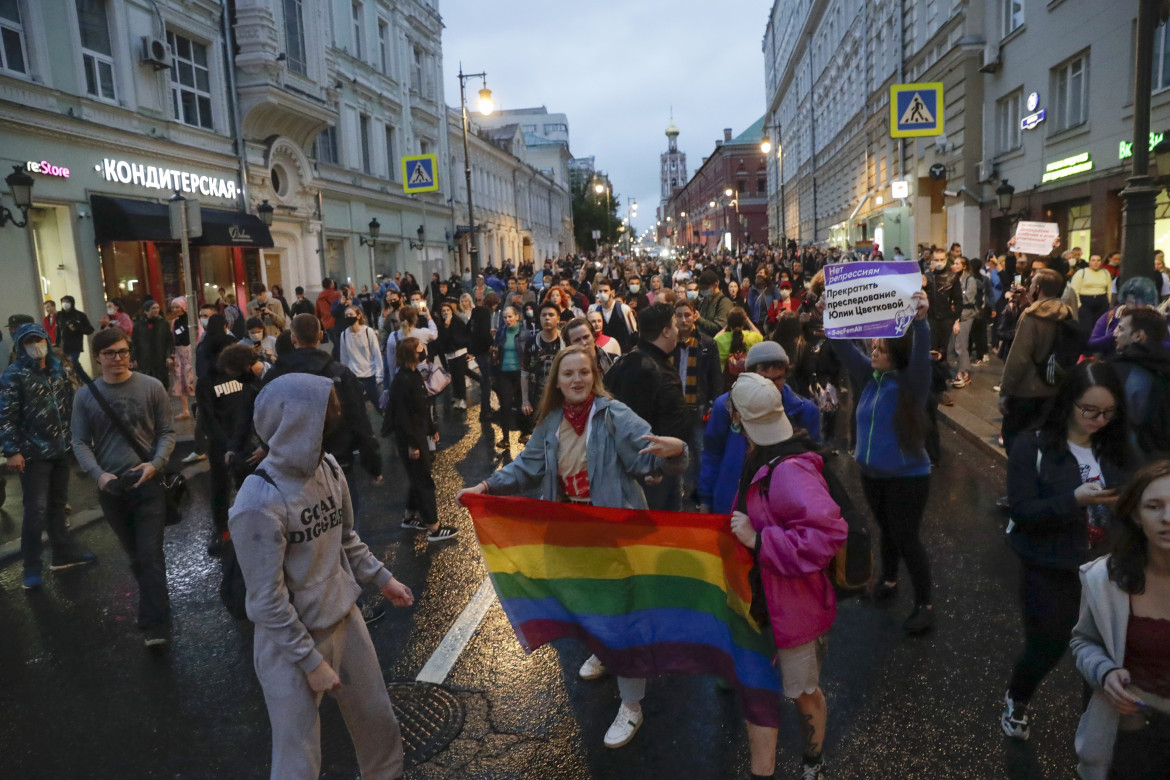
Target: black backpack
x: 1065, y: 354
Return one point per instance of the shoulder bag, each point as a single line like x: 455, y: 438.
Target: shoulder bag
x: 174, y: 484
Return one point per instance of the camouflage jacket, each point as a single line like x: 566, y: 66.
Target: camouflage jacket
x: 36, y: 405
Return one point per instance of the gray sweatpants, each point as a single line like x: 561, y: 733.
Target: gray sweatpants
x: 362, y: 698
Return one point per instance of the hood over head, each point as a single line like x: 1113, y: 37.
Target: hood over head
x: 290, y: 419
x: 29, y: 329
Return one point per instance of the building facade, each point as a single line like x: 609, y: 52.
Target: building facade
x: 1059, y: 112
x: 702, y: 213
x: 828, y: 69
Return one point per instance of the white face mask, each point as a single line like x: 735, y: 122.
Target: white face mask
x: 37, y: 351
x: 257, y: 336
x: 203, y: 322
x: 66, y: 305
x: 110, y: 310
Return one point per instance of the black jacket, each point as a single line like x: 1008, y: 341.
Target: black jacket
x: 223, y: 403
x: 944, y: 295
x: 479, y: 331
x: 453, y: 337
x: 356, y: 433
x: 709, y: 374
x: 1144, y: 370
x: 1048, y: 528
x: 646, y: 381
x: 72, y: 328
x: 408, y: 414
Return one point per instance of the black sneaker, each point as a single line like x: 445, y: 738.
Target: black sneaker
x: 884, y: 591
x: 442, y: 533
x: 156, y: 638
x: 920, y: 621
x: 1014, y: 720
x: 503, y: 444
x: 68, y: 562
x: 413, y: 523
x: 215, y: 545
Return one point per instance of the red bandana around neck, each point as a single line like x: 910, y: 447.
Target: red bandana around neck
x: 578, y: 414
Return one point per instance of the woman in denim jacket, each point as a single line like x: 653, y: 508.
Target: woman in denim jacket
x: 588, y: 448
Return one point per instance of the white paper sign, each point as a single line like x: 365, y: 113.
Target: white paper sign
x: 870, y: 300
x: 1036, y: 238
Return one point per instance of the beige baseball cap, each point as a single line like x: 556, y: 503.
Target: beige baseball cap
x: 761, y: 410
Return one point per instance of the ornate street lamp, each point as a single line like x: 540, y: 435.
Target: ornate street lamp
x: 20, y: 184
x: 264, y: 211
x: 486, y: 106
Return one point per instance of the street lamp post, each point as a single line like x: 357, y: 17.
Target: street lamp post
x: 485, y: 108
x: 600, y: 188
x: 375, y: 228
x: 766, y: 148
x: 20, y: 184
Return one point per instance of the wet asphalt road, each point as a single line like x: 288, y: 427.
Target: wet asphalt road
x: 81, y: 698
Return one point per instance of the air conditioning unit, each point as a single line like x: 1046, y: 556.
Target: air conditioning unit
x: 155, y: 52
x: 991, y: 59
x: 985, y: 171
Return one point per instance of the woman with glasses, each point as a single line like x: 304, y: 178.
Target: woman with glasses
x: 1062, y: 482
x: 408, y: 416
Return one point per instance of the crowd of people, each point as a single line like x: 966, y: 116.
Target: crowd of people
x: 701, y: 383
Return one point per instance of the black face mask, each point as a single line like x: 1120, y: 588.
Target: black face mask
x: 350, y: 321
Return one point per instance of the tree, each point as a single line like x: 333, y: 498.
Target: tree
x: 590, y: 213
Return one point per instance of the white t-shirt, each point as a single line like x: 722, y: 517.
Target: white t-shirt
x: 1090, y: 467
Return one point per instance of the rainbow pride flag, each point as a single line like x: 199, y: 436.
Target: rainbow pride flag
x: 648, y: 592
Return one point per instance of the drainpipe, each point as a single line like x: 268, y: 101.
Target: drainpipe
x: 237, y: 123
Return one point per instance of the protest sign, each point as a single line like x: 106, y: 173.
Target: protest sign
x: 1035, y: 238
x: 870, y: 300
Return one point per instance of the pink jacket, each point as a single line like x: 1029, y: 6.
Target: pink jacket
x: 800, y: 529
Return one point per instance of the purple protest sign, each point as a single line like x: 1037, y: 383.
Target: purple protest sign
x: 870, y: 300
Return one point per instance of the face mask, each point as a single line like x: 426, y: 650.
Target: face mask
x: 37, y: 351
x: 602, y: 297
x: 110, y: 310
x: 350, y: 321
x: 257, y: 336
x: 529, y: 314
x: 203, y: 322
x: 692, y: 295
x: 938, y: 265
x: 635, y: 288
x: 66, y: 305
x: 705, y: 293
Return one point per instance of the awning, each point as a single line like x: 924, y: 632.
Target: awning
x: 125, y: 219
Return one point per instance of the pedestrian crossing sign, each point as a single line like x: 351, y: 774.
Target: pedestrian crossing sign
x: 916, y: 110
x: 419, y: 173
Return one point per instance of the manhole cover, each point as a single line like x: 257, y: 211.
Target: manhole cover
x: 430, y: 717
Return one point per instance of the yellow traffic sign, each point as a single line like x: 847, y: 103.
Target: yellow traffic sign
x: 916, y: 110
x: 420, y: 173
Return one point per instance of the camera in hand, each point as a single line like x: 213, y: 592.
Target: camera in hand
x: 124, y: 483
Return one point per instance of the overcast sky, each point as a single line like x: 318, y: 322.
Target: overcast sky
x: 616, y: 67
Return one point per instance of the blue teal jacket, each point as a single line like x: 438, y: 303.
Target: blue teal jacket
x: 36, y: 404
x: 724, y: 450
x: 878, y: 452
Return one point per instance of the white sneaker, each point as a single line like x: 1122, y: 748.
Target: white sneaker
x: 592, y: 668
x: 194, y: 457
x: 624, y: 727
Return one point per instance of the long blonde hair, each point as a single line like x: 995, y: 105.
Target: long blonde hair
x: 553, y: 399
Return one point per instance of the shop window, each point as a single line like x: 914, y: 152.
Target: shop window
x: 190, y: 81
x: 1162, y: 222
x: 1080, y: 221
x: 126, y: 274
x: 1007, y: 122
x: 1162, y: 57
x: 11, y: 38
x: 214, y: 273
x: 96, y: 52
x: 1070, y: 90
x: 294, y: 35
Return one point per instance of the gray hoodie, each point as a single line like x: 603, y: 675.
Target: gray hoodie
x: 289, y: 538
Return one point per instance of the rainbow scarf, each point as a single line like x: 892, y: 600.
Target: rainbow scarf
x: 649, y: 592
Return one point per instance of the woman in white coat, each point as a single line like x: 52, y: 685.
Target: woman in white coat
x: 1122, y: 640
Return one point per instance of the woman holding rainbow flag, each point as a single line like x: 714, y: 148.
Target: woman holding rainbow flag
x: 588, y: 448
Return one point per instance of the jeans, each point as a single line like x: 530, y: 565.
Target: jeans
x: 137, y: 519
x: 420, y: 494
x: 898, y: 505
x: 458, y: 368
x: 75, y: 358
x: 45, y: 485
x: 486, y: 371
x: 1051, y: 600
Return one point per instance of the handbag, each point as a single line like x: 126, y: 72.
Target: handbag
x: 174, y: 484
x: 435, y: 377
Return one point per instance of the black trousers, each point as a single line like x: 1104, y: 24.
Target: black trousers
x: 898, y: 505
x: 1143, y: 754
x: 420, y: 493
x: 1051, y: 600
x: 508, y: 395
x: 137, y: 519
